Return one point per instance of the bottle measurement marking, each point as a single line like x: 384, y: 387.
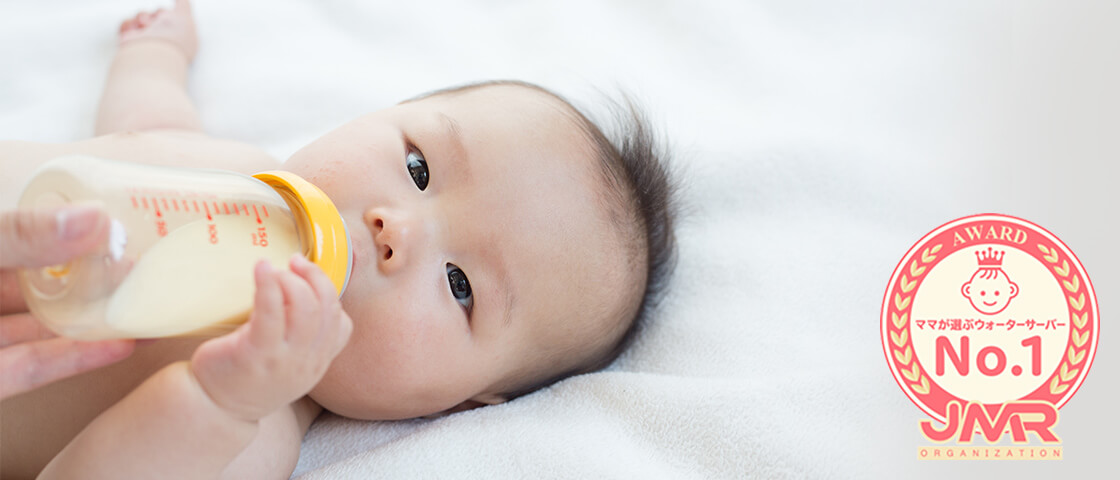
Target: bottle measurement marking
x: 161, y: 224
x: 209, y: 208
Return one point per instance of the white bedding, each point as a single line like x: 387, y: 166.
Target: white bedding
x: 817, y: 142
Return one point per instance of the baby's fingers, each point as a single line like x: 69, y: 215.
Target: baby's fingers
x: 322, y: 285
x: 267, y: 322
x: 335, y: 324
x: 302, y: 309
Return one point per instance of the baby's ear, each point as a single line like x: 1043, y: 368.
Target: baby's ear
x: 1014, y: 289
x: 965, y: 288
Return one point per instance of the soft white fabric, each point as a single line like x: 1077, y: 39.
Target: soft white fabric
x: 816, y: 141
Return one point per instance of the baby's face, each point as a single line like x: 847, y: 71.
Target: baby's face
x: 479, y: 250
x: 990, y: 294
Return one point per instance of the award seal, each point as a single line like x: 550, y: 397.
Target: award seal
x: 989, y: 325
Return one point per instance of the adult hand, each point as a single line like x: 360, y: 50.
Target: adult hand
x: 30, y: 356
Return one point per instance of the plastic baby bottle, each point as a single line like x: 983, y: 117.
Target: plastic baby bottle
x: 181, y: 247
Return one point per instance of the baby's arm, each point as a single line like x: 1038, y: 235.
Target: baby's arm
x: 190, y: 420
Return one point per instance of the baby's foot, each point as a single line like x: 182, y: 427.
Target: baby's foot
x: 175, y: 26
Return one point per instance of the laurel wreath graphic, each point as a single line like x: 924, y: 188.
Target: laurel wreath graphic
x: 1080, y: 330
x: 903, y: 353
x: 1079, y: 333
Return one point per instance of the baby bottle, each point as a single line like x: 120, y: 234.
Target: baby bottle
x: 181, y: 247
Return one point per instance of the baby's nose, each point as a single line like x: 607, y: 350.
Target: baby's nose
x: 393, y: 234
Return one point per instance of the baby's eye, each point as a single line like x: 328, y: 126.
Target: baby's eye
x: 417, y: 169
x: 460, y: 286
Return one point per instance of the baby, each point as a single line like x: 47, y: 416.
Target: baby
x: 501, y: 243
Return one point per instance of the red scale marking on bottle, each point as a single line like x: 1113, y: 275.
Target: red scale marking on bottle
x: 265, y: 207
x: 135, y: 204
x: 145, y: 203
x: 207, y: 207
x: 164, y: 203
x: 225, y: 208
x: 175, y: 203
x: 195, y: 203
x: 258, y: 214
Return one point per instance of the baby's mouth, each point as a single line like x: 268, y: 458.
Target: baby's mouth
x: 989, y: 304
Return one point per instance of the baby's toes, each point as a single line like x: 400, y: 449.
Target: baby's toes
x: 157, y: 15
x: 131, y: 23
x: 144, y: 19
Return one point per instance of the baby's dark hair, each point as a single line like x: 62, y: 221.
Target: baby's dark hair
x: 641, y: 198
x: 635, y: 166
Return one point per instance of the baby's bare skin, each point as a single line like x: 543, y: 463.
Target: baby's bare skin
x: 145, y: 117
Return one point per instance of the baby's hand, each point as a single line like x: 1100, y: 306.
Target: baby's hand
x: 297, y: 327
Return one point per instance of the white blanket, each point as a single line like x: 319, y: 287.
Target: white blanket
x: 817, y: 142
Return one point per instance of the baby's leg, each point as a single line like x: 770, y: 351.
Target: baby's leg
x: 146, y: 88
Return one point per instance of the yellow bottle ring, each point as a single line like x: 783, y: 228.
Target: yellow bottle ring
x: 327, y: 243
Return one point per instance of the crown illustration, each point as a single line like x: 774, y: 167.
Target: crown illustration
x: 989, y: 259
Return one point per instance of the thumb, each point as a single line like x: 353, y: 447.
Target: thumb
x: 40, y: 237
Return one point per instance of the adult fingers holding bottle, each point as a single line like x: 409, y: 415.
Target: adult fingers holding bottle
x: 30, y: 356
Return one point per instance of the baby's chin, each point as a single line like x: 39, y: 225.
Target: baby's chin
x: 345, y: 400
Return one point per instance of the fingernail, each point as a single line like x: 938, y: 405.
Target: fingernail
x: 77, y: 222
x: 298, y: 259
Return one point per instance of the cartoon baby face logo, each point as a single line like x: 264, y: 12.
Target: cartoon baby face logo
x: 989, y: 290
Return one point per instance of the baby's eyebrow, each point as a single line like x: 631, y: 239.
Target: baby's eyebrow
x: 454, y: 133
x: 503, y: 278
x: 499, y: 283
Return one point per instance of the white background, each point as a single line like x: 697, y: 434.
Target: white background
x: 817, y: 140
